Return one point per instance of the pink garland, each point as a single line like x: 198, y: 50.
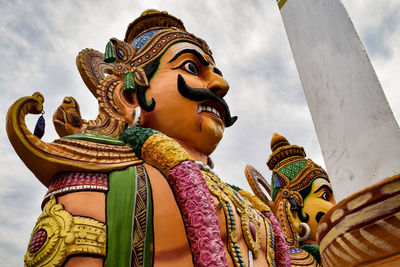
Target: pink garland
x: 282, y: 256
x: 199, y: 214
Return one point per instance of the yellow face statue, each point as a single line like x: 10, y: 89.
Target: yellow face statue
x: 317, y: 203
x: 184, y: 73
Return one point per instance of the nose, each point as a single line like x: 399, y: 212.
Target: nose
x: 218, y: 85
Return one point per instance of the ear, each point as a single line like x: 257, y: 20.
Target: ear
x: 126, y: 103
x: 124, y: 52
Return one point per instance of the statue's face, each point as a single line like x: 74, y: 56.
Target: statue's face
x: 317, y: 203
x: 198, y: 124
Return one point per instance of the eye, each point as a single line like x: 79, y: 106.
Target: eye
x: 325, y: 196
x: 190, y: 67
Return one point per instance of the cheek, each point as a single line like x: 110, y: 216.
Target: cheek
x: 314, y: 205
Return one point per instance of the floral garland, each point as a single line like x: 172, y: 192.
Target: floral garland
x: 190, y: 189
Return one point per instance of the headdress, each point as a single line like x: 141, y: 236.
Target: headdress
x: 146, y: 38
x: 291, y: 171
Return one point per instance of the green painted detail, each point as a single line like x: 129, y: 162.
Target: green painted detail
x: 313, y: 250
x: 274, y: 191
x: 148, y: 250
x: 96, y: 138
x: 109, y: 55
x: 292, y: 169
x: 136, y: 136
x: 129, y: 82
x: 121, y: 200
x: 234, y: 187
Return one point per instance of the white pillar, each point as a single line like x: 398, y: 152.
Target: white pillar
x: 356, y: 129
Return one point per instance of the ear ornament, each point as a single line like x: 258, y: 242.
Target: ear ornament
x: 307, y: 233
x: 109, y: 55
x: 136, y: 119
x: 129, y: 82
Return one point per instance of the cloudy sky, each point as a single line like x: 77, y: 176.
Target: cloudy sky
x: 40, y: 40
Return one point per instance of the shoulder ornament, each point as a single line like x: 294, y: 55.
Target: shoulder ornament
x: 58, y: 234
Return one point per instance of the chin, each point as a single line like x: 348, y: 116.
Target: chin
x: 207, y: 144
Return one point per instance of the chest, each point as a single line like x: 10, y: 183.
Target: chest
x: 244, y: 232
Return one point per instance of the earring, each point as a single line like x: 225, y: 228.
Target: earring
x: 136, y: 119
x: 306, y: 235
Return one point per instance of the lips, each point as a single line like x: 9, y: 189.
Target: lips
x: 213, y: 108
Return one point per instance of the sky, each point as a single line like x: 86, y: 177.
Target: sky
x: 41, y: 39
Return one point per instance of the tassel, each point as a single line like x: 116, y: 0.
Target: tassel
x: 277, y: 183
x: 39, y: 128
x: 129, y: 82
x: 293, y: 204
x: 109, y: 55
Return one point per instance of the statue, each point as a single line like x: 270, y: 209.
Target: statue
x: 135, y: 186
x: 301, y: 195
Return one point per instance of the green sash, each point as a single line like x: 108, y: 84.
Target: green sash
x: 129, y: 218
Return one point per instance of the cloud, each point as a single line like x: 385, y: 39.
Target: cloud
x: 40, y: 41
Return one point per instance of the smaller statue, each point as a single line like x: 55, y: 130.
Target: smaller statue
x: 301, y: 195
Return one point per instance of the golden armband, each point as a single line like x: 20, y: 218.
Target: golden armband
x: 58, y: 234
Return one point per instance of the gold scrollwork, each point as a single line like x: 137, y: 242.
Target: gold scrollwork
x: 63, y: 235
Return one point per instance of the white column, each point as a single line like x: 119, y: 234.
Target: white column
x: 356, y: 129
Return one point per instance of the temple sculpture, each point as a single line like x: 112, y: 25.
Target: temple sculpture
x: 135, y: 186
x: 299, y: 195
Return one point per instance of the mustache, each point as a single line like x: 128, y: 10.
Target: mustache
x: 200, y: 94
x: 302, y: 218
x: 319, y: 215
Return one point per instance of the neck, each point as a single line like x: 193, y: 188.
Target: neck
x: 193, y: 152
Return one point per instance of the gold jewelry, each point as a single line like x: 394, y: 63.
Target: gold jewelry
x: 58, y: 234
x: 248, y: 215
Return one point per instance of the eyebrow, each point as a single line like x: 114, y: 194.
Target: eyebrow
x: 191, y: 51
x: 322, y: 187
x: 217, y: 71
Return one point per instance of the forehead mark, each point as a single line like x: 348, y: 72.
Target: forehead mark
x: 176, y: 48
x: 321, y: 181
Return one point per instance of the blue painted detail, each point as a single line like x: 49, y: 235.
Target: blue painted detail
x: 238, y: 195
x: 294, y: 250
x: 122, y: 54
x: 272, y: 245
x: 140, y: 41
x: 232, y: 224
x: 277, y: 183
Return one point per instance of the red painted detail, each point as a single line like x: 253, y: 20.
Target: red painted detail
x: 37, y: 241
x: 252, y: 230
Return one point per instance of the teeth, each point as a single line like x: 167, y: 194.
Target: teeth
x: 208, y: 109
